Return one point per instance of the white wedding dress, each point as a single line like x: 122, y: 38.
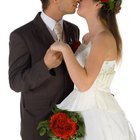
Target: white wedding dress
x: 103, y: 117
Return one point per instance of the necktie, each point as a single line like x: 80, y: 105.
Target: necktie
x: 58, y: 30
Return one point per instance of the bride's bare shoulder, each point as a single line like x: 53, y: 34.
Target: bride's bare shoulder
x: 104, y: 38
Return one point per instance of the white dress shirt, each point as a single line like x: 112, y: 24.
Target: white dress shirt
x: 50, y: 24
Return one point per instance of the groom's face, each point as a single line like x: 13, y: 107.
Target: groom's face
x: 67, y: 6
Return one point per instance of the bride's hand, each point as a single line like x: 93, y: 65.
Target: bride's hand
x: 59, y: 46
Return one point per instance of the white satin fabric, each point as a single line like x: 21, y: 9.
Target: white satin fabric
x: 103, y: 117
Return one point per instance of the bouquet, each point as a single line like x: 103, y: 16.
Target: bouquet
x: 62, y: 125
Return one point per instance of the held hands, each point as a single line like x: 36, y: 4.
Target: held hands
x: 52, y: 59
x: 59, y: 46
x: 54, y: 55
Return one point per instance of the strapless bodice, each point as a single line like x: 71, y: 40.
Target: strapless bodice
x: 106, y: 74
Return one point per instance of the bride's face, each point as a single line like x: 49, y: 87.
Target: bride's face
x: 86, y: 8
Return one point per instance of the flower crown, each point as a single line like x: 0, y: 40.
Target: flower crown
x: 112, y: 5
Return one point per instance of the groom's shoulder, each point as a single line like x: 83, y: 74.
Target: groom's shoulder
x: 22, y: 31
x: 24, y: 27
x: 28, y: 26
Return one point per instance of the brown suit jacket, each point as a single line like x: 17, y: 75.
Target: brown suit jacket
x: 40, y: 88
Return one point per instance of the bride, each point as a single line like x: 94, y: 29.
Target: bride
x: 92, y: 71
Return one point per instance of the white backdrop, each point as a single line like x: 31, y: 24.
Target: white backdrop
x: 126, y: 82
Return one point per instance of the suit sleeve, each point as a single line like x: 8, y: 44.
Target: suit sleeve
x: 24, y: 76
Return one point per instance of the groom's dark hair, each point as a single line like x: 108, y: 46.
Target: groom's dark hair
x: 45, y: 4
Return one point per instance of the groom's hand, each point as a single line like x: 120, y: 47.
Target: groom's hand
x: 52, y: 59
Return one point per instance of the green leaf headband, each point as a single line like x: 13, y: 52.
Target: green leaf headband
x: 113, y: 5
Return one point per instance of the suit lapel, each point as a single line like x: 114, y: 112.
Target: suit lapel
x: 42, y: 31
x: 68, y: 37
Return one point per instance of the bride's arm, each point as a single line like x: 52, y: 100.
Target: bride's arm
x: 83, y: 77
x: 77, y: 73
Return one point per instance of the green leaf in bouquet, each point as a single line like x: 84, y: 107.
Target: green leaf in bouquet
x: 44, y: 124
x: 42, y: 131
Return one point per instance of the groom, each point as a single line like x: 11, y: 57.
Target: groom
x: 37, y: 72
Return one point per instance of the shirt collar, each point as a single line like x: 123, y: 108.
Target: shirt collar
x: 49, y: 21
